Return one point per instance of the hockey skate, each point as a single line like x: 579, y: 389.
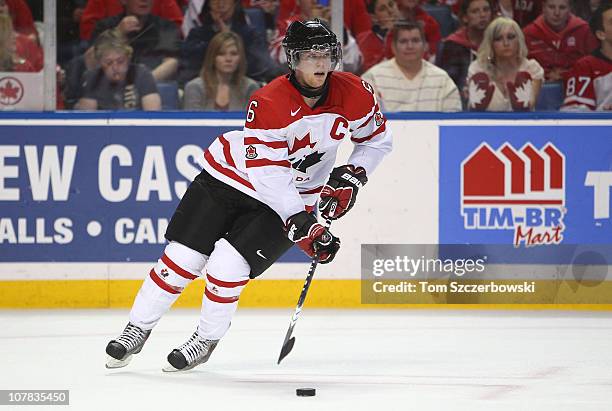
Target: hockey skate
x: 194, y: 352
x: 122, y: 349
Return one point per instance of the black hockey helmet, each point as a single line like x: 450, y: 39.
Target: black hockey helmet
x: 310, y: 35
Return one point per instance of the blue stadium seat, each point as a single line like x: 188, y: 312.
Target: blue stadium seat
x: 444, y: 16
x: 256, y: 19
x: 168, y: 92
x: 551, y: 96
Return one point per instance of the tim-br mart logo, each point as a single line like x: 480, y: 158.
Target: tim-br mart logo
x: 521, y: 190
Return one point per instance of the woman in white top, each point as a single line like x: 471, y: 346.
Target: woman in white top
x: 502, y: 78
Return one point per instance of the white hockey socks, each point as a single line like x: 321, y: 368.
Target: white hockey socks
x: 227, y: 273
x: 174, y: 270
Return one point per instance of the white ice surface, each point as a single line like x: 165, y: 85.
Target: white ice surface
x: 356, y: 360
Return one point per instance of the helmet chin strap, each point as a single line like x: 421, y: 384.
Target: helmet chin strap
x: 306, y: 91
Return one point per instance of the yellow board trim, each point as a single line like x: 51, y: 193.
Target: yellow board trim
x: 259, y: 293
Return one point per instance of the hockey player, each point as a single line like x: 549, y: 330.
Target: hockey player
x: 254, y: 198
x: 589, y: 85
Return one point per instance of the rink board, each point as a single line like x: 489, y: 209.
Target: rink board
x: 85, y: 200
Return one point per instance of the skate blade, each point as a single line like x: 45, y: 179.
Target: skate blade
x: 170, y: 369
x: 112, y: 363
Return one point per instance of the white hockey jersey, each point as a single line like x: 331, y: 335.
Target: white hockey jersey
x: 286, y: 151
x: 589, y: 84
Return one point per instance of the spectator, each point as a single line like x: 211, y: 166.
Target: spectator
x: 407, y: 82
x: 69, y: 14
x: 521, y: 11
x: 191, y: 18
x: 411, y: 10
x: 356, y: 18
x: 589, y: 85
x: 21, y: 17
x: 270, y: 9
x: 454, y: 5
x: 154, y: 40
x: 557, y: 39
x: 17, y: 51
x: 225, y: 15
x: 97, y: 10
x: 118, y: 84
x: 155, y: 43
x: 373, y: 43
x: 222, y: 84
x: 308, y: 10
x: 459, y: 49
x: 502, y: 78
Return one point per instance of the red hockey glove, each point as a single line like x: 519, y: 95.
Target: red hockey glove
x: 520, y: 91
x: 480, y: 91
x: 338, y: 195
x: 304, y: 230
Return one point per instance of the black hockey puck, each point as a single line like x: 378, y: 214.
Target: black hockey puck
x: 305, y: 392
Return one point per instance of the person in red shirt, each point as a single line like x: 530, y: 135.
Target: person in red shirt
x: 97, y: 10
x: 21, y: 16
x: 17, y: 52
x: 557, y: 39
x: 356, y: 17
x: 411, y: 10
x: 589, y: 85
x: 459, y: 49
x: 374, y: 43
x: 521, y: 11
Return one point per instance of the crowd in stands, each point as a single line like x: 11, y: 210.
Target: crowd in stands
x: 418, y: 55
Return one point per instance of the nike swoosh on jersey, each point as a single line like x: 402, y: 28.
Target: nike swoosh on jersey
x: 293, y: 113
x: 259, y: 253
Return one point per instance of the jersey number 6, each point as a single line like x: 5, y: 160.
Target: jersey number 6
x: 251, y: 111
x: 367, y: 86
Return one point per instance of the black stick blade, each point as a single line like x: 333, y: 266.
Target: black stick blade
x: 287, y: 347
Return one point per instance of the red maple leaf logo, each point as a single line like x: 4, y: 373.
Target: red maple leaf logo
x: 8, y: 91
x: 11, y: 91
x: 303, y: 142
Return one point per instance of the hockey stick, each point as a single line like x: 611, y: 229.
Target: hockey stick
x: 289, y: 340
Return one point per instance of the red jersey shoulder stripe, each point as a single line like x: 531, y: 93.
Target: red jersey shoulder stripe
x: 265, y: 162
x: 371, y: 136
x: 376, y: 108
x: 271, y: 144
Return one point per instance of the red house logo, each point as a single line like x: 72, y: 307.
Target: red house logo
x: 520, y: 189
